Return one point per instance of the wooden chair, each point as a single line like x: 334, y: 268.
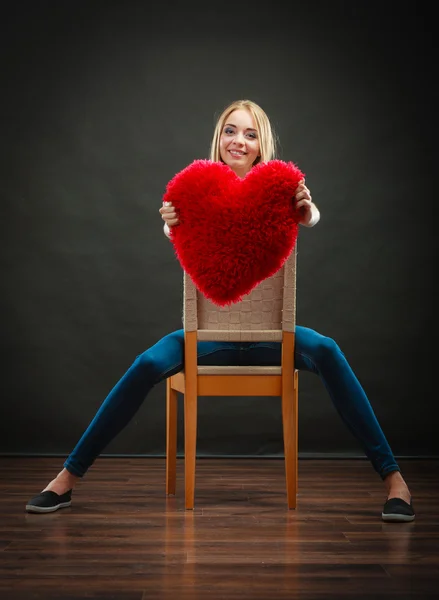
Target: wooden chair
x: 266, y: 314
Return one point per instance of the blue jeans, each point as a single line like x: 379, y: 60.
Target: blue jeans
x: 313, y: 352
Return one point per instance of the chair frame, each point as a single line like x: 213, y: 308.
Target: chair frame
x: 192, y: 383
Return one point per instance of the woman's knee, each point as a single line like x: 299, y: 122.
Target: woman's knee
x: 163, y: 357
x: 326, y: 349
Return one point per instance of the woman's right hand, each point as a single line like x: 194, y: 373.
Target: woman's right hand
x: 169, y: 215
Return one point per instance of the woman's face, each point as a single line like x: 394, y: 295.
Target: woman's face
x: 239, y: 142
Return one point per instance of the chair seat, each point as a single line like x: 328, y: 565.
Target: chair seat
x: 225, y: 383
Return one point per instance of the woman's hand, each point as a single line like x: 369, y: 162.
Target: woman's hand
x: 304, y: 204
x: 169, y: 215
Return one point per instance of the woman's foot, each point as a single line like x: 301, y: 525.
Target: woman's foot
x: 62, y: 483
x: 397, y: 487
x: 398, y: 507
x: 57, y: 494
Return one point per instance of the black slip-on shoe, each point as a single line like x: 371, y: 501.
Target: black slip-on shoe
x: 49, y: 502
x: 398, y: 510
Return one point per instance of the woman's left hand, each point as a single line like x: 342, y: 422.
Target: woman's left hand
x: 303, y: 203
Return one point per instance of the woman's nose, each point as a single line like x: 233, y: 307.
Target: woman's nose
x: 239, y: 138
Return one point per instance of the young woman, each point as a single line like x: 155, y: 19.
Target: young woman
x: 243, y: 137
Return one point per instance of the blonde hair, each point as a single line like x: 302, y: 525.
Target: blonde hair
x: 267, y: 140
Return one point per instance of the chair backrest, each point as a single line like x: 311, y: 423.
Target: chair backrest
x: 262, y: 315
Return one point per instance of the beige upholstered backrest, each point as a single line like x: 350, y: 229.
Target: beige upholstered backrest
x: 261, y: 315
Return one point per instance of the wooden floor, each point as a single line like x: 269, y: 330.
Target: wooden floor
x: 122, y: 539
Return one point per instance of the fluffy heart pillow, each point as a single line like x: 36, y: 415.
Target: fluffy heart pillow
x: 233, y: 233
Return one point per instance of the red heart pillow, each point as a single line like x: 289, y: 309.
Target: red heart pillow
x: 233, y: 233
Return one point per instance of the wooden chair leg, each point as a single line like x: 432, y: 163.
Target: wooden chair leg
x: 296, y: 432
x: 290, y: 450
x: 171, y: 438
x: 190, y: 417
x: 190, y: 446
x: 289, y: 418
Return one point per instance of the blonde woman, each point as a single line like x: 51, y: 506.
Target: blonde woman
x: 242, y: 138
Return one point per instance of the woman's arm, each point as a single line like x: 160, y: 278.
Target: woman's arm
x: 169, y: 216
x: 309, y: 213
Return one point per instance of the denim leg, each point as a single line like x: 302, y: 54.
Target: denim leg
x: 321, y: 355
x: 313, y: 352
x: 157, y: 363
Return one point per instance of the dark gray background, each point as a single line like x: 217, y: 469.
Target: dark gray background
x: 103, y: 102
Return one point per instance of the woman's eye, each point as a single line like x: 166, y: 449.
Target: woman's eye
x: 252, y: 135
x: 228, y: 130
